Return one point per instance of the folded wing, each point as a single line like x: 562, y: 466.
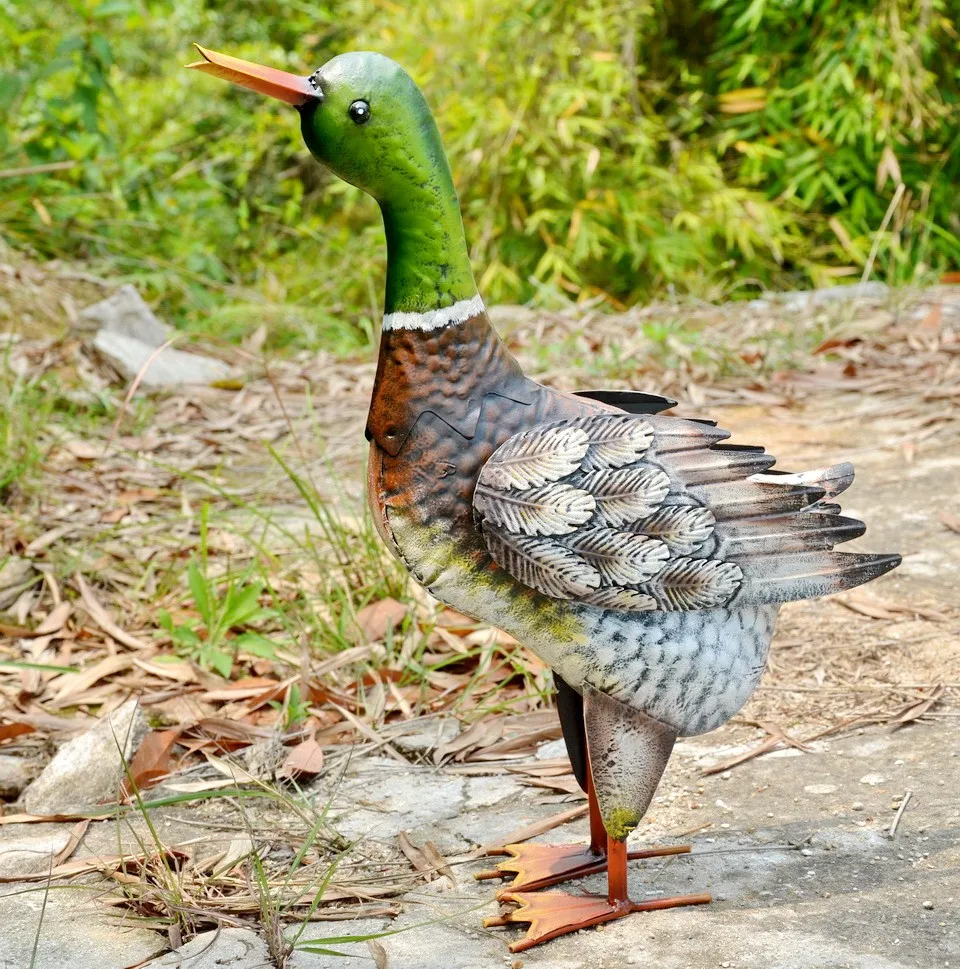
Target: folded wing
x: 642, y: 513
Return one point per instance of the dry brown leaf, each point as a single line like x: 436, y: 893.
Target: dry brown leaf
x: 76, y: 836
x: 305, y: 758
x: 19, y: 632
x: 151, y: 762
x: 102, y: 618
x: 440, y: 864
x: 10, y: 730
x: 564, y: 784
x: 951, y: 521
x: 915, y: 709
x: 414, y: 855
x: 55, y: 622
x: 483, y: 733
x: 73, y: 684
x: 378, y: 617
x: 377, y: 953
x: 180, y: 672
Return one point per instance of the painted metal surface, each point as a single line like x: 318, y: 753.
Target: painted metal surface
x: 638, y: 555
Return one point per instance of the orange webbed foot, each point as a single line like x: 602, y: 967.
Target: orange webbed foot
x: 552, y: 914
x: 539, y: 866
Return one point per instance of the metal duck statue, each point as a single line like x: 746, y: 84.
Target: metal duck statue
x: 637, y: 554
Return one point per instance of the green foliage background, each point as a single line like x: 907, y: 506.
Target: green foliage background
x: 608, y: 148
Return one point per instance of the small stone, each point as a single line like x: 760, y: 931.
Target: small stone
x: 88, y: 770
x: 422, y: 737
x: 857, y: 806
x: 125, y: 312
x: 872, y: 780
x: 15, y: 774
x: 820, y: 788
x: 166, y: 368
x: 806, y: 852
x: 726, y: 775
x: 217, y: 949
x: 31, y: 854
x: 551, y: 749
x: 928, y: 904
x: 15, y: 574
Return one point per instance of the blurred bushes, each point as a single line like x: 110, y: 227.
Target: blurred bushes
x: 608, y: 148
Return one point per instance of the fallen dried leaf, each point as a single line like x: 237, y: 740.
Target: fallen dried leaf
x: 951, y: 521
x: 73, y: 684
x: 151, y: 762
x: 377, y: 953
x: 76, y: 836
x: 101, y: 617
x: 10, y: 730
x: 915, y: 709
x: 305, y: 758
x: 378, y: 617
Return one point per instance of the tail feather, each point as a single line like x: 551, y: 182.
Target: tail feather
x: 749, y: 499
x: 784, y: 578
x: 787, y: 533
x: 834, y: 480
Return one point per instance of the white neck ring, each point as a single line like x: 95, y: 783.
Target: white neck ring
x: 435, y: 319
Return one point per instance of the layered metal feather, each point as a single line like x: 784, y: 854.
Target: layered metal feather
x: 640, y: 513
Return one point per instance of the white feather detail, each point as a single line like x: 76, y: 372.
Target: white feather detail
x: 459, y: 312
x: 688, y: 583
x: 626, y: 495
x: 684, y: 528
x: 621, y: 558
x: 535, y: 457
x: 542, y: 564
x: 555, y: 509
x: 614, y: 441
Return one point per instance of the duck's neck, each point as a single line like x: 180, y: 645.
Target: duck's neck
x: 438, y: 351
x: 429, y: 278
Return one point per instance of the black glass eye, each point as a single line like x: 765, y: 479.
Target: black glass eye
x: 360, y: 112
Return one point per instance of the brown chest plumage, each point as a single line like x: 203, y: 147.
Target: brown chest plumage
x: 443, y: 402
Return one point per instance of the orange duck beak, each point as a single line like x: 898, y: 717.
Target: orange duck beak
x: 291, y: 88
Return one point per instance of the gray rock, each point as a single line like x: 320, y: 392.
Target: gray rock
x: 72, y: 935
x: 420, y: 737
x: 399, y: 799
x: 15, y: 774
x: 30, y: 852
x: 226, y: 949
x: 830, y: 294
x: 169, y: 368
x: 486, y: 791
x: 15, y: 573
x: 552, y: 749
x: 126, y: 313
x: 88, y: 770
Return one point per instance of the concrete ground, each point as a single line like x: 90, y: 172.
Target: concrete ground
x: 795, y: 847
x: 796, y: 851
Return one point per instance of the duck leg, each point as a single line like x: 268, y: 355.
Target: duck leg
x: 538, y: 866
x: 628, y: 754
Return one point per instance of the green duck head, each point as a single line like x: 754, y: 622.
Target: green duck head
x: 365, y: 119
